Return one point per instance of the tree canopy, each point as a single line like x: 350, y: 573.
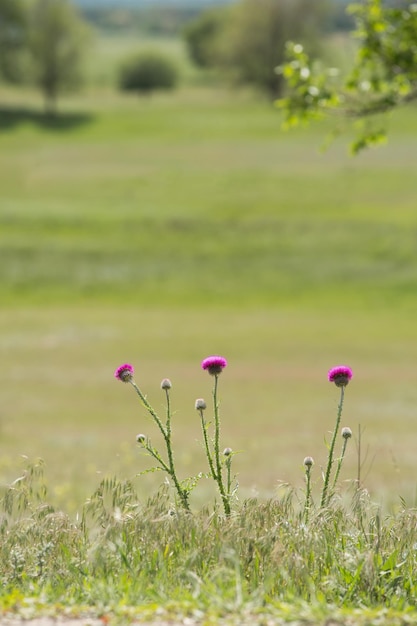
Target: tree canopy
x: 12, y: 38
x: 56, y: 39
x: 42, y: 42
x: 383, y: 76
x: 247, y: 39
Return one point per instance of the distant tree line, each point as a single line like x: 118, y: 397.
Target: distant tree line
x: 151, y: 20
x: 169, y: 19
x: 246, y: 40
x: 42, y: 42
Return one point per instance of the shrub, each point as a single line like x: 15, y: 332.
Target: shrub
x: 148, y: 71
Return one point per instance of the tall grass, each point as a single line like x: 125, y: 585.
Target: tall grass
x: 262, y: 560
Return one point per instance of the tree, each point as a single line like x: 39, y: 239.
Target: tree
x: 383, y: 76
x: 254, y: 40
x: 202, y: 36
x: 12, y: 38
x: 147, y: 71
x: 56, y: 41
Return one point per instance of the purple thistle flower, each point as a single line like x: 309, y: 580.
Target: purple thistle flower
x: 214, y: 364
x: 124, y: 373
x: 340, y: 375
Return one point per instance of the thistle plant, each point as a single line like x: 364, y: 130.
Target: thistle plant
x: 308, y: 464
x: 340, y: 376
x: 220, y: 464
x: 125, y: 374
x: 215, y: 365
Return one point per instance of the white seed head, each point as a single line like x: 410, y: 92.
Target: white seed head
x: 141, y: 438
x: 309, y: 461
x: 200, y: 404
x: 166, y: 384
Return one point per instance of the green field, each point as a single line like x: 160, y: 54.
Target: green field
x: 158, y: 231
x: 163, y: 229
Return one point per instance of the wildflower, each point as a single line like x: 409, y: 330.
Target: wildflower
x: 124, y: 373
x: 141, y: 438
x: 346, y: 432
x: 227, y: 451
x: 308, y: 461
x: 200, y: 404
x: 214, y: 364
x: 166, y: 384
x: 340, y: 375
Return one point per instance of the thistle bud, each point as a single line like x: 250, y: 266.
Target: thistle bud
x: 141, y: 438
x: 308, y: 462
x: 346, y: 433
x: 166, y: 384
x: 200, y: 404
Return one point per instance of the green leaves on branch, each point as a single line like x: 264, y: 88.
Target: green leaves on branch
x: 382, y: 78
x: 311, y: 91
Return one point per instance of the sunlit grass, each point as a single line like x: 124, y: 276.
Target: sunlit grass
x: 154, y: 200
x: 122, y: 559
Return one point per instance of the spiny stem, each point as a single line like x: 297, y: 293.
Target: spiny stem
x: 155, y: 454
x: 170, y: 470
x: 168, y: 420
x: 339, y: 464
x: 308, y: 494
x: 219, y: 476
x: 167, y: 437
x: 149, y: 408
x: 229, y: 475
x: 183, y: 494
x: 206, y: 445
x: 166, y: 433
x: 324, y: 498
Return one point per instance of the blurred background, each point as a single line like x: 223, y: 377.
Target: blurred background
x: 153, y: 211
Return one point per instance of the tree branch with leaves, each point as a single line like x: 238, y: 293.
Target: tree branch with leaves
x: 383, y: 76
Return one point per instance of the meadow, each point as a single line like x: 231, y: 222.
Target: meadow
x: 160, y: 230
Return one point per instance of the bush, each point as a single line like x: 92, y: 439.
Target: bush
x: 147, y: 71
